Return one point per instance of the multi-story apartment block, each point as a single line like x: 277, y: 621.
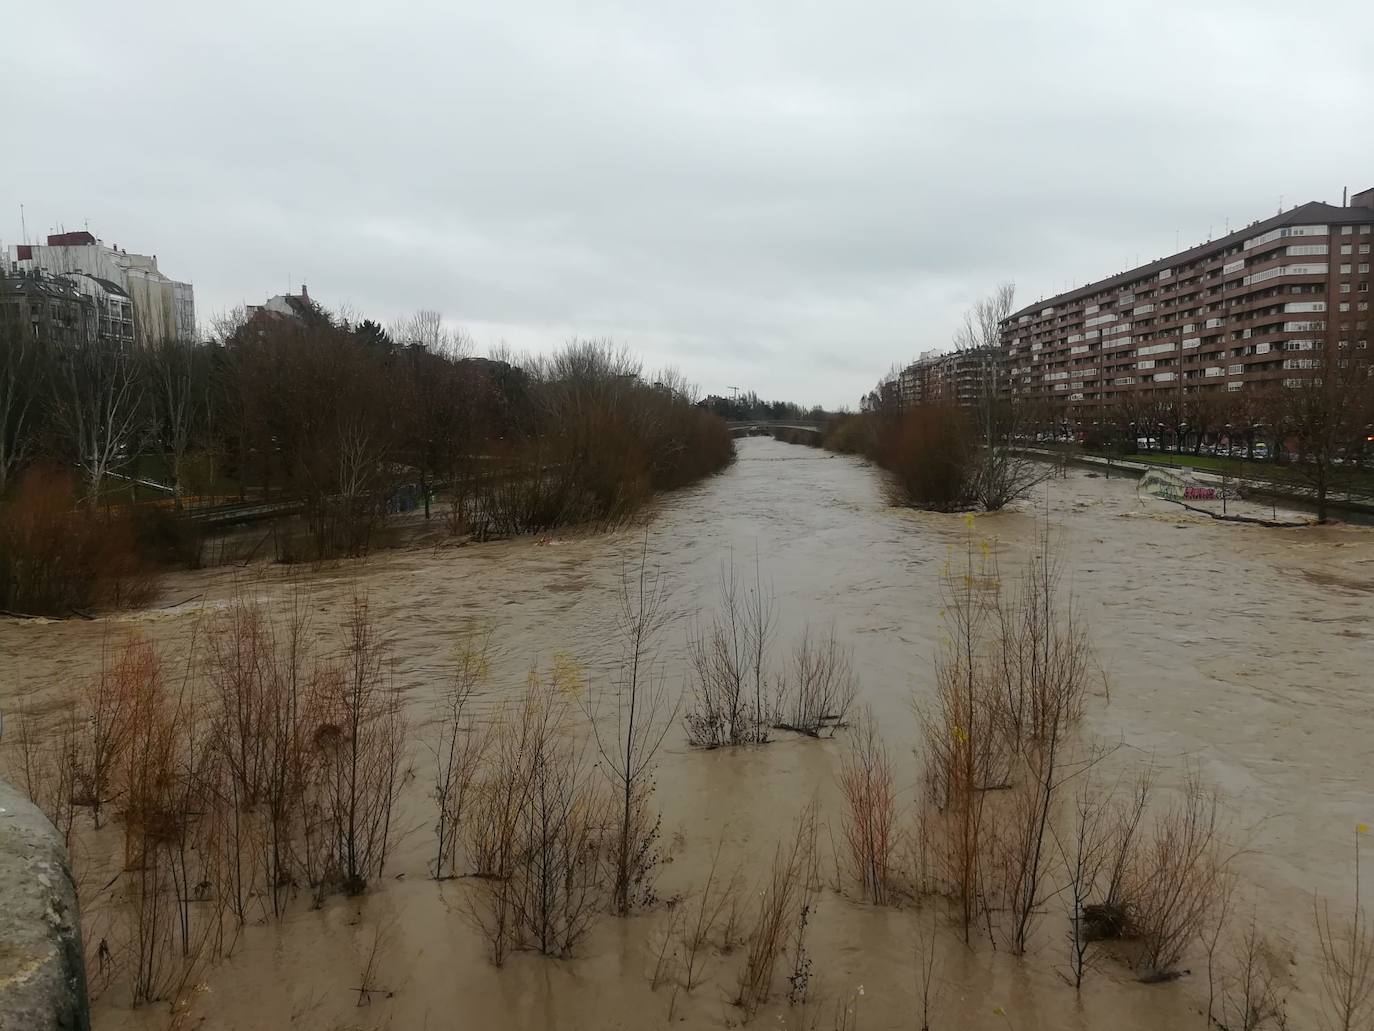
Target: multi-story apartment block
x: 1242, y: 311
x: 954, y: 378
x: 163, y: 309
x: 46, y: 308
x: 114, y: 308
x: 913, y: 381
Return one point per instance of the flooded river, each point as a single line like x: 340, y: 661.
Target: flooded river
x: 1245, y: 650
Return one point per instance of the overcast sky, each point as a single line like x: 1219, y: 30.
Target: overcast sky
x: 781, y: 196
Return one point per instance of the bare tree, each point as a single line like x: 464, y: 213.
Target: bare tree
x: 1327, y: 409
x: 25, y: 368
x: 870, y: 815
x: 1108, y: 917
x: 363, y: 741
x: 1044, y: 656
x: 457, y: 753
x: 1252, y: 992
x: 965, y: 752
x: 1175, y: 880
x: 1004, y: 473
x: 1347, y: 954
x: 560, y: 883
x: 1044, y: 659
x: 108, y: 711
x: 425, y: 328
x: 536, y: 832
x: 927, y: 959
x: 785, y: 891
x: 707, y: 913
x: 818, y: 688
x: 644, y: 709
x: 46, y: 774
x: 729, y: 659
x: 98, y: 404
x: 177, y: 373
x: 1212, y: 933
x: 1082, y: 846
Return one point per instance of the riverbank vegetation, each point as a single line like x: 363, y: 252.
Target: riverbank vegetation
x: 737, y: 697
x: 1308, y: 434
x: 325, y: 426
x: 253, y: 774
x: 937, y: 456
x: 263, y: 771
x: 749, y: 406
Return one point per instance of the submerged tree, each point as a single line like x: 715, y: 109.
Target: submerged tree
x: 1347, y: 955
x: 1003, y: 472
x: 643, y: 709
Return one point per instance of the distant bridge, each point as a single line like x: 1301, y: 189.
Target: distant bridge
x: 762, y: 427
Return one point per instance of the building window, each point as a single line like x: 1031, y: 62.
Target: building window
x: 1364, y: 268
x: 1345, y: 288
x: 1345, y: 248
x: 1345, y: 269
x: 1345, y: 306
x: 1347, y: 230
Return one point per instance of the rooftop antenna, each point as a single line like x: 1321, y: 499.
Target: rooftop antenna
x: 23, y: 226
x: 1345, y: 196
x: 736, y: 390
x: 1280, y: 204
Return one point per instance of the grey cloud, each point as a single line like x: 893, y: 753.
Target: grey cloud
x: 780, y: 196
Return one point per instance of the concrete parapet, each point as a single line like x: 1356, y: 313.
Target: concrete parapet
x: 42, y: 965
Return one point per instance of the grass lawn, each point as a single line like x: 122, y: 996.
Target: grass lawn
x: 1211, y: 463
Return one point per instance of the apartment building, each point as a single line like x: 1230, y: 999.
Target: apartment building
x: 1243, y: 311
x: 163, y: 308
x: 114, y: 308
x: 954, y: 378
x: 50, y: 309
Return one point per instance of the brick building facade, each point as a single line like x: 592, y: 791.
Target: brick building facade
x: 1245, y: 311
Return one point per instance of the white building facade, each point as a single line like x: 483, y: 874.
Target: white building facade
x: 163, y: 308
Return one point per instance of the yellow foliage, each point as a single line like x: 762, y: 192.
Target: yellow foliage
x: 569, y: 677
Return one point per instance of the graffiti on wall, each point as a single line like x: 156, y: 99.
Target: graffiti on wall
x: 1171, y: 485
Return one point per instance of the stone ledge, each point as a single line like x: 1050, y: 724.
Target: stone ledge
x: 42, y: 964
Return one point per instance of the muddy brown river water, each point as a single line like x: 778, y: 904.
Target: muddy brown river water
x: 1247, y: 651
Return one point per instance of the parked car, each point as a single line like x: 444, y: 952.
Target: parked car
x: 1261, y: 450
